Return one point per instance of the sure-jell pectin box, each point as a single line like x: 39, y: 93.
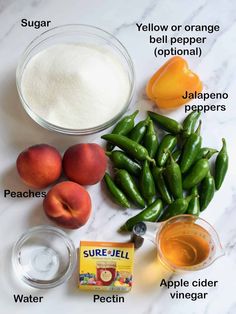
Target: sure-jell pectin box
x: 106, y: 266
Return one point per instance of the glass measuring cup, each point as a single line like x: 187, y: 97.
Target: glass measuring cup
x: 184, y: 242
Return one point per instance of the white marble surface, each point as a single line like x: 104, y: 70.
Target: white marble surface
x: 217, y: 69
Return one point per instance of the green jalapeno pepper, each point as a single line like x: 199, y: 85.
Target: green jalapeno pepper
x: 129, y: 187
x: 131, y: 147
x: 151, y: 214
x: 207, y: 191
x: 167, y: 124
x: 138, y: 132
x: 152, y: 199
x: 147, y: 185
x: 166, y: 146
x: 175, y: 155
x: 118, y: 196
x: 196, y: 174
x: 174, y: 179
x: 121, y: 161
x: 190, y: 150
x: 123, y: 127
x: 189, y: 123
x: 151, y: 140
x: 194, y: 205
x: 221, y: 165
x: 159, y: 180
x: 178, y: 207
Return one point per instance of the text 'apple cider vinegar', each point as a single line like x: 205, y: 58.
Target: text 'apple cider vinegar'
x: 184, y: 244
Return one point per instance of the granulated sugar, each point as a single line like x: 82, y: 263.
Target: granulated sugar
x: 75, y: 86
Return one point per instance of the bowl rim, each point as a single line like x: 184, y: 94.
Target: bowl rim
x: 53, y: 127
x: 41, y: 229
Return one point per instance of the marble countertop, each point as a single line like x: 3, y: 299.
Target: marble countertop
x: 216, y: 67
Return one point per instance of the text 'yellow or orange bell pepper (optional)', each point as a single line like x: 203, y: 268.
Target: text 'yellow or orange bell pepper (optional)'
x: 167, y: 86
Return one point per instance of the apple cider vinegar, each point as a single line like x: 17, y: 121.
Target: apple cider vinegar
x: 184, y: 244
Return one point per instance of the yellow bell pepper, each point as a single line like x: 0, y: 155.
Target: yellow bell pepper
x: 167, y: 86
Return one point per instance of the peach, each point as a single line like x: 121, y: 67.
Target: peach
x: 85, y: 163
x: 39, y: 165
x: 68, y: 204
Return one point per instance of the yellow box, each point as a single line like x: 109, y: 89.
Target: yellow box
x: 106, y: 266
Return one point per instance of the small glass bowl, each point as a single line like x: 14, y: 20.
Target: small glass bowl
x: 75, y: 33
x: 44, y: 257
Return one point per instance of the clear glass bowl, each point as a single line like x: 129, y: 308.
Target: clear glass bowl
x: 44, y: 257
x: 75, y: 33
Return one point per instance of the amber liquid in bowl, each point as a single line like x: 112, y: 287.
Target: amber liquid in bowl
x: 184, y: 244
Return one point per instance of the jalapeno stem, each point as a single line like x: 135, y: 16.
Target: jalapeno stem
x: 151, y: 160
x: 198, y: 131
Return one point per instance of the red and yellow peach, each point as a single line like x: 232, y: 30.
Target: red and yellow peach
x: 85, y: 163
x: 68, y: 204
x: 39, y: 165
